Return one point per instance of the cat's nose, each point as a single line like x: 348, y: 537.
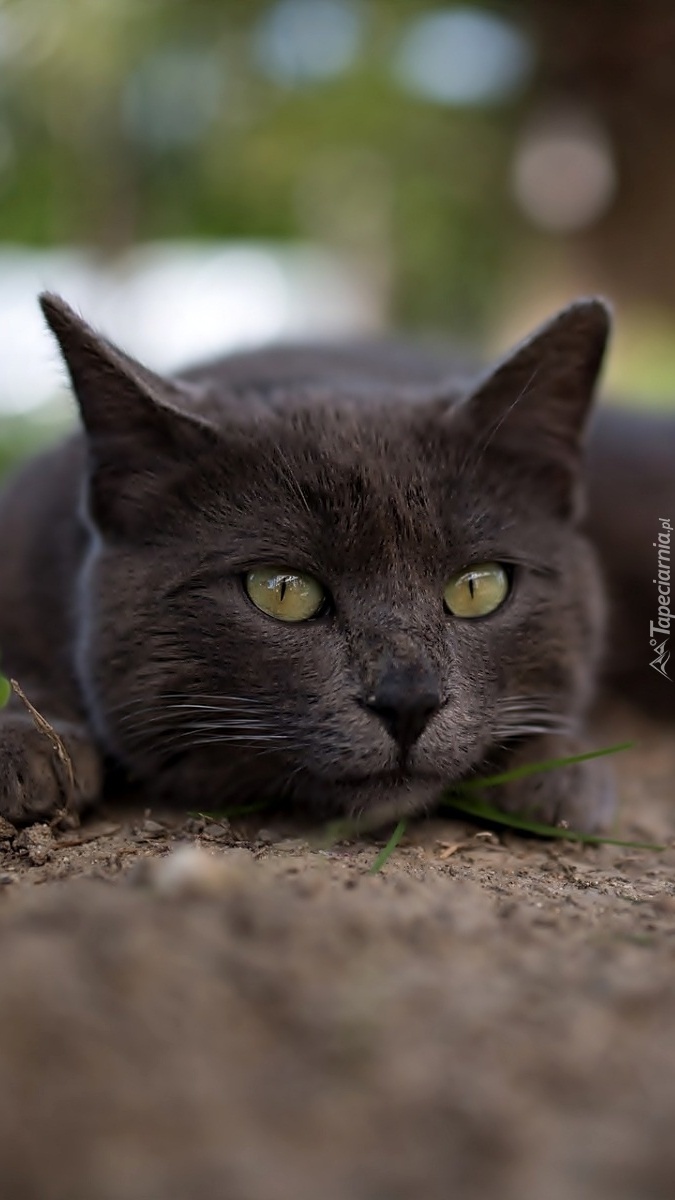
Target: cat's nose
x: 405, y: 698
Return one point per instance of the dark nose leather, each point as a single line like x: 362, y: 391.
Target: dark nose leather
x: 405, y: 698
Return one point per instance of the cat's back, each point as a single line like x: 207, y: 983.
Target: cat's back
x: 631, y: 493
x: 358, y: 370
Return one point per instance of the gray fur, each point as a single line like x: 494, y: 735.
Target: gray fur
x: 123, y: 614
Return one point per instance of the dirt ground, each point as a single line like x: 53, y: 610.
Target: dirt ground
x: 490, y: 1016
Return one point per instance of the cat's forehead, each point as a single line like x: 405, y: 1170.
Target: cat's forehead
x: 382, y: 482
x: 383, y: 443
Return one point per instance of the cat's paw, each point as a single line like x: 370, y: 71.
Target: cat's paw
x: 580, y: 796
x: 33, y: 785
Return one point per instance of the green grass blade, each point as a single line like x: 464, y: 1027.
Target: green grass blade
x: 549, y: 764
x: 5, y: 691
x: 389, y: 848
x: 485, y: 812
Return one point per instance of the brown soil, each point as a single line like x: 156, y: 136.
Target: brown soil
x: 488, y: 1017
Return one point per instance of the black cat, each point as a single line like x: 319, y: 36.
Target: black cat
x: 336, y: 575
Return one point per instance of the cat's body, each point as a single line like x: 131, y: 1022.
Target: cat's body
x: 368, y: 470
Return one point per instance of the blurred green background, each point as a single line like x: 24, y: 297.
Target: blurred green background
x: 458, y: 169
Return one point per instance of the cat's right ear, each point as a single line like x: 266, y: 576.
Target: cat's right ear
x: 138, y: 438
x: 534, y: 405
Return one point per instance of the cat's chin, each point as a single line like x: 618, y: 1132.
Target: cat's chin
x: 376, y: 800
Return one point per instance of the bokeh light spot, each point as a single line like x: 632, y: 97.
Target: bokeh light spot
x: 306, y: 41
x: 463, y: 56
x: 564, y: 176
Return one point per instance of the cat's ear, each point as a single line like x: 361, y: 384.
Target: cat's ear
x: 139, y: 441
x: 534, y: 404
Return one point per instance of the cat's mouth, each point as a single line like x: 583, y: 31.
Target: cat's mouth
x: 383, y: 796
x: 400, y: 776
x: 374, y: 799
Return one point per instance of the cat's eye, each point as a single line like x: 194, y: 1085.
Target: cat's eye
x: 477, y: 591
x: 285, y: 595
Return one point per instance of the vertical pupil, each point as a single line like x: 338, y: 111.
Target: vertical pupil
x: 472, y: 586
x: 282, y: 590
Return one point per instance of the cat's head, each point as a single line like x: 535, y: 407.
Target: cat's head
x: 352, y: 597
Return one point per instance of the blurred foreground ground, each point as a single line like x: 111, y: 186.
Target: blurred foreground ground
x: 489, y: 1017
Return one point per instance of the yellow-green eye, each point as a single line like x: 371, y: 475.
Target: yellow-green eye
x: 477, y: 591
x: 284, y: 595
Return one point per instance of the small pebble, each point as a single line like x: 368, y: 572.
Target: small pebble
x: 267, y: 836
x: 38, y: 842
x: 192, y: 871
x: 153, y: 828
x: 7, y: 830
x: 217, y: 829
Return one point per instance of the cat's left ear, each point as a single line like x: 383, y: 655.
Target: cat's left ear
x: 534, y: 404
x: 141, y: 438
